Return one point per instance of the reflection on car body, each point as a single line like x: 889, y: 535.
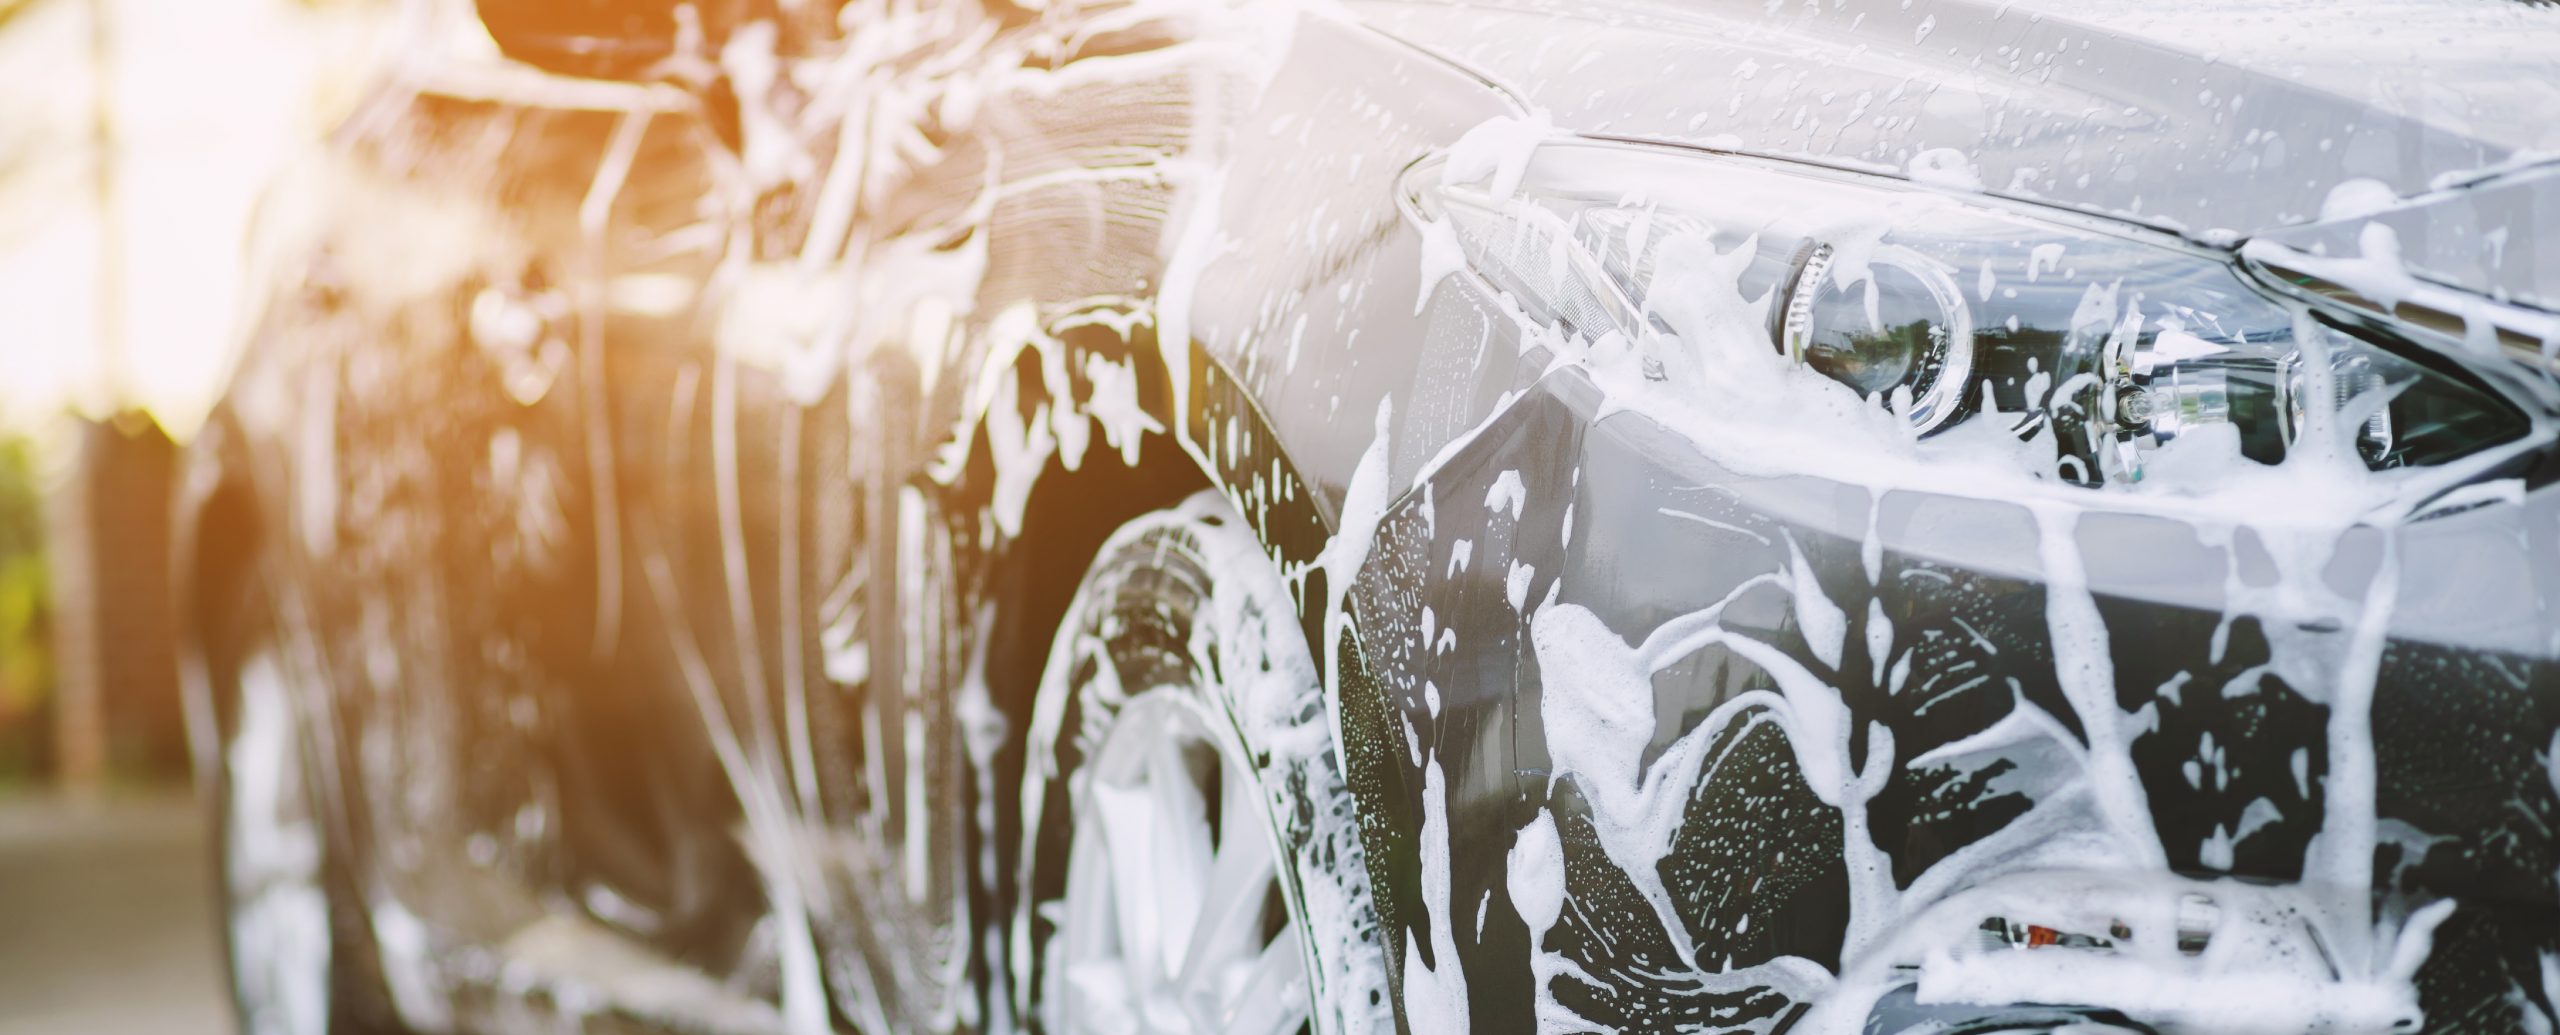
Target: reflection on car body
x: 1170, y: 515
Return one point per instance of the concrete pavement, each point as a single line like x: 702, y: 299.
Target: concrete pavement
x: 106, y: 919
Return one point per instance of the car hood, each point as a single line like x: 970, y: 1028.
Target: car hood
x: 2215, y: 120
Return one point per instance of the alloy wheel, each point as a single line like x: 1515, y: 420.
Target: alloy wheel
x: 1173, y: 918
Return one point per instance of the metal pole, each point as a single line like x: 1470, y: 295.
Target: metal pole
x: 104, y: 156
x: 80, y: 691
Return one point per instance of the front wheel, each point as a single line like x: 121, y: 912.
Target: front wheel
x: 1191, y: 861
x: 298, y: 946
x: 278, y: 921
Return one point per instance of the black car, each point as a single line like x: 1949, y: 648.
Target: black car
x: 1176, y: 515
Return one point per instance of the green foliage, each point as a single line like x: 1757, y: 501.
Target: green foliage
x: 26, y: 657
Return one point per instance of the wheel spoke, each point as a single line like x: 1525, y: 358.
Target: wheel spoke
x: 1274, y: 1000
x: 1164, y: 922
x: 1240, y: 812
x: 1089, y: 924
x: 1230, y: 909
x: 1128, y: 830
x: 1182, y: 843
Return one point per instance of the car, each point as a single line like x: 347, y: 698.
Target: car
x: 1376, y: 515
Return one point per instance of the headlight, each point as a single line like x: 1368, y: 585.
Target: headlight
x: 2132, y: 354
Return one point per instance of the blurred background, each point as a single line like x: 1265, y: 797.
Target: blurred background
x: 135, y: 136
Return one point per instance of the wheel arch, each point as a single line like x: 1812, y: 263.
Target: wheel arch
x: 218, y: 527
x: 1222, y: 440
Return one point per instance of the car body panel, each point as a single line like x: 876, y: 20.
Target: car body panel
x: 2190, y: 117
x: 2164, y: 585
x: 1641, y: 729
x: 2482, y: 235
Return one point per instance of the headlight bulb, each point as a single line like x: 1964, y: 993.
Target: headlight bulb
x: 2175, y: 386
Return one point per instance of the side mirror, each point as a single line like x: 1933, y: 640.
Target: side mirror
x: 602, y: 39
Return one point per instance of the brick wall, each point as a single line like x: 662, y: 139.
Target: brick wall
x: 116, y: 708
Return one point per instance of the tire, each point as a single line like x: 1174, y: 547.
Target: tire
x: 1190, y: 860
x: 296, y: 941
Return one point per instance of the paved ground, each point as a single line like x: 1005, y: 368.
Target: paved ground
x: 106, y: 920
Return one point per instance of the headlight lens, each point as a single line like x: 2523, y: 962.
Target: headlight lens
x: 2132, y: 354
x: 1909, y: 341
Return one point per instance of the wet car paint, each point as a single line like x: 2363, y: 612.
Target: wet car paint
x: 794, y: 583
